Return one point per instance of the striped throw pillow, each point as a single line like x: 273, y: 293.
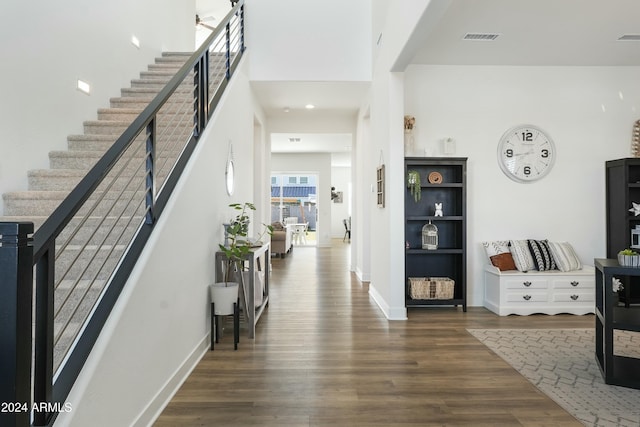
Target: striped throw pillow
x: 565, y: 257
x: 521, y: 255
x: 542, y: 255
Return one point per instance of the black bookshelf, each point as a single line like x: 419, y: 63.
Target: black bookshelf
x: 622, y: 190
x: 450, y: 257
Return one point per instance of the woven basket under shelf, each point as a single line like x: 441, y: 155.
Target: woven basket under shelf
x: 431, y: 288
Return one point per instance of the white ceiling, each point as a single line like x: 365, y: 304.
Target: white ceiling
x: 531, y: 32
x: 535, y: 32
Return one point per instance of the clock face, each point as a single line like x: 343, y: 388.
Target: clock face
x: 526, y: 153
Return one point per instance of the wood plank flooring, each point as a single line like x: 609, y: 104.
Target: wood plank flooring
x: 324, y: 355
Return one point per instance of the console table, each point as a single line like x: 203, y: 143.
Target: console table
x: 616, y: 369
x: 258, y: 255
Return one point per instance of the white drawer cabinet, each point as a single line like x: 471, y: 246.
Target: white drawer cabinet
x: 548, y: 292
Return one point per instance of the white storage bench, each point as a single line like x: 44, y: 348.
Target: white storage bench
x: 547, y: 292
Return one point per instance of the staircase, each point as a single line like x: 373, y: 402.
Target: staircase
x: 90, y: 247
x: 95, y: 210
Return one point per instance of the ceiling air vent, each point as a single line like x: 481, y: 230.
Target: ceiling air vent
x: 632, y: 37
x: 480, y: 36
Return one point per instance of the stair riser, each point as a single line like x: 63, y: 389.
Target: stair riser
x: 166, y: 66
x: 98, y: 231
x: 52, y: 183
x: 149, y: 91
x: 98, y: 128
x: 49, y: 182
x: 179, y: 101
x: 161, y: 75
x: 65, y: 183
x: 165, y: 114
x: 89, y: 263
x: 44, y: 207
x: 116, y: 115
x: 85, y: 160
x: 71, y: 302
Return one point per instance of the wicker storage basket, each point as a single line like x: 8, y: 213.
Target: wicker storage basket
x: 431, y: 288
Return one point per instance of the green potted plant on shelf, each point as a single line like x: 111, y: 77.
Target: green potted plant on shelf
x: 225, y: 293
x: 414, y: 185
x: 629, y: 258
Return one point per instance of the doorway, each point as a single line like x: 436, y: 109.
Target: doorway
x: 294, y: 203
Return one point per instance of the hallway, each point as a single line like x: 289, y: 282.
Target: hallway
x: 325, y: 355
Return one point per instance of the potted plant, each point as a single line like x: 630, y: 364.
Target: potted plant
x: 413, y: 183
x: 224, y: 294
x: 629, y: 258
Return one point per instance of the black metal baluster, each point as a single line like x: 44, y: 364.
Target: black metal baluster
x: 150, y: 196
x: 43, y: 369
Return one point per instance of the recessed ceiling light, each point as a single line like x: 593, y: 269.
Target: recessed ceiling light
x: 135, y: 41
x: 309, y: 106
x: 286, y: 109
x: 84, y: 87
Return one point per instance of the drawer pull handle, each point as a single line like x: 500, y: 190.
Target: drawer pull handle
x: 526, y: 297
x: 575, y: 297
x: 575, y: 283
x: 527, y: 284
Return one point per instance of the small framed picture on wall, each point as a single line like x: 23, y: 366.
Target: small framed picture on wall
x: 380, y: 185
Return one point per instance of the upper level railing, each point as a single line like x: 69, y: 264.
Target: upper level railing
x: 70, y: 273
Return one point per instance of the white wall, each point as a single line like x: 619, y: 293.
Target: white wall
x: 361, y: 200
x: 47, y: 46
x: 160, y: 327
x: 341, y: 179
x: 386, y: 107
x: 285, y: 42
x: 580, y: 108
x: 319, y: 163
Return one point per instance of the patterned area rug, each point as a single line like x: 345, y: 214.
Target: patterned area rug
x: 562, y: 364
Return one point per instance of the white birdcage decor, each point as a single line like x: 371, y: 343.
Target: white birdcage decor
x: 429, y: 236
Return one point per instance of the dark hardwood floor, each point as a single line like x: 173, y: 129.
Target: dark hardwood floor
x: 324, y: 355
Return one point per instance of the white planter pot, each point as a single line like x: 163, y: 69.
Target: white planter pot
x: 224, y: 295
x: 629, y: 260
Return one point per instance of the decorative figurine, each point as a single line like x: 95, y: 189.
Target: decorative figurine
x: 438, y: 209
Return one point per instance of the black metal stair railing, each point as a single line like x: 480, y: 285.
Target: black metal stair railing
x: 73, y: 268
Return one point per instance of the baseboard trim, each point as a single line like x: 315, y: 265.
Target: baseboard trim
x: 391, y: 313
x: 361, y: 276
x: 155, y: 407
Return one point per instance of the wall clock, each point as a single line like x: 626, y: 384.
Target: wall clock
x: 526, y: 153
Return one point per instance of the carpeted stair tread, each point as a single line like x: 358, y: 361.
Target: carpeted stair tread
x: 158, y: 74
x: 90, y: 142
x: 119, y: 114
x: 146, y: 89
x: 106, y: 127
x: 173, y: 66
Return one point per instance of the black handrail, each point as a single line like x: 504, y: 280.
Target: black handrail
x: 44, y: 389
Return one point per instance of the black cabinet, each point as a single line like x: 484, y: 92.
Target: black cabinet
x: 622, y: 191
x: 616, y: 368
x: 448, y: 188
